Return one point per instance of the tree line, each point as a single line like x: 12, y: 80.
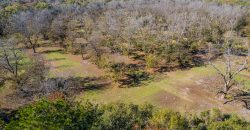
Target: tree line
x: 61, y: 114
x: 172, y: 32
x: 163, y: 34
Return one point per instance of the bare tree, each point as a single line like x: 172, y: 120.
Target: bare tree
x: 32, y: 25
x: 10, y: 58
x: 26, y: 77
x: 234, y: 62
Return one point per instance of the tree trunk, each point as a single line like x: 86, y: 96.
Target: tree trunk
x: 34, y: 48
x: 32, y: 45
x: 82, y: 52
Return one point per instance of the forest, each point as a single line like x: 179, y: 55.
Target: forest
x: 124, y: 64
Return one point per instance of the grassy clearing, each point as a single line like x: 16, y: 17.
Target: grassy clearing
x: 144, y: 93
x: 61, y: 60
x: 68, y: 65
x: 180, y: 90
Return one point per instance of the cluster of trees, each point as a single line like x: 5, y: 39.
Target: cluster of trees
x: 64, y: 115
x: 171, y: 31
x: 161, y: 33
x: 28, y: 75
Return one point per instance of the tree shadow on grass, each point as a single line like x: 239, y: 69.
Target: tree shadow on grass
x: 91, y: 83
x: 53, y: 51
x: 134, y: 79
x: 62, y: 66
x: 68, y: 87
x: 56, y: 59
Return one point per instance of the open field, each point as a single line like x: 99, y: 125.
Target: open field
x: 181, y: 90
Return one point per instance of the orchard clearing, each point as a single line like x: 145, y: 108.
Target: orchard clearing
x: 181, y: 90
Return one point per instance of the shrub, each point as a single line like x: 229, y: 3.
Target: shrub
x: 2, y: 124
x: 165, y: 119
x: 122, y: 116
x: 10, y: 9
x: 151, y: 61
x: 233, y: 123
x: 41, y: 5
x: 57, y: 115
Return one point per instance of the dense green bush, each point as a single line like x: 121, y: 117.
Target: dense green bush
x: 165, y: 119
x: 41, y: 5
x: 121, y: 116
x: 58, y: 115
x: 54, y: 116
x: 2, y: 123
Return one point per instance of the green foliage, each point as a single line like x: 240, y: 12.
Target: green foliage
x: 54, y: 116
x: 9, y: 10
x: 179, y: 54
x: 2, y: 123
x: 232, y: 123
x: 122, y: 116
x: 168, y: 119
x: 41, y: 5
x: 59, y: 115
x: 101, y: 61
x: 151, y: 61
x: 78, y: 2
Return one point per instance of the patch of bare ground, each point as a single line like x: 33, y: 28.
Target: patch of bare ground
x: 193, y: 93
x: 211, y: 85
x: 9, y: 101
x: 118, y: 58
x: 194, y: 98
x: 168, y: 100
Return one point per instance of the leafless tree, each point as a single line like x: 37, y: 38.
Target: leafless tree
x: 234, y: 62
x: 26, y: 77
x: 32, y: 25
x: 10, y: 58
